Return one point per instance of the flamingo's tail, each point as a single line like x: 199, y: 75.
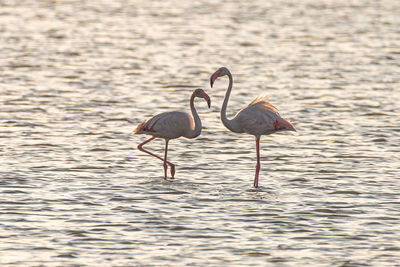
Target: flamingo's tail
x: 284, y: 125
x: 139, y: 128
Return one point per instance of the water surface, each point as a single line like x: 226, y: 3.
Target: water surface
x: 78, y: 76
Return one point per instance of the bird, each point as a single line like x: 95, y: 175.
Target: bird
x: 172, y: 125
x: 258, y: 118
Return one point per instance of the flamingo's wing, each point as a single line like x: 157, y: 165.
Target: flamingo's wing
x: 254, y: 121
x: 261, y: 117
x: 262, y: 103
x: 167, y: 125
x: 173, y: 121
x: 147, y: 126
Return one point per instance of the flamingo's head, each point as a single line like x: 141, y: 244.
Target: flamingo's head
x: 220, y: 72
x: 200, y: 93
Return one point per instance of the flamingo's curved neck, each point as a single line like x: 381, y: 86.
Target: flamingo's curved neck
x: 197, y: 122
x: 230, y: 124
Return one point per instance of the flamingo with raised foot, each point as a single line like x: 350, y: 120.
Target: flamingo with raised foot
x: 171, y: 125
x: 258, y: 118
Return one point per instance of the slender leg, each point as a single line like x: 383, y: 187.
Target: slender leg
x: 165, y: 158
x: 258, y: 162
x: 140, y: 147
x: 165, y: 162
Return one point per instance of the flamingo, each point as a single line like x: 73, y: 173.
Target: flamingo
x: 258, y: 118
x: 171, y: 125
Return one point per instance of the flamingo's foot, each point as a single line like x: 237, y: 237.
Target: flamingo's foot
x: 172, y: 171
x: 256, y: 182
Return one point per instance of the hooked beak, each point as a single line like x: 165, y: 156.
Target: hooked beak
x: 214, y: 77
x: 206, y: 98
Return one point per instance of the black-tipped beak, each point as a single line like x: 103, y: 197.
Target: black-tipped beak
x: 209, y: 102
x: 214, y: 77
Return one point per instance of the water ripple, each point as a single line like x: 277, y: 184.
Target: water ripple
x: 78, y: 76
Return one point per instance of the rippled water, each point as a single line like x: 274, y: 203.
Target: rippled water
x: 78, y: 76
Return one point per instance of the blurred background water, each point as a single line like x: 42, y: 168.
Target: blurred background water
x: 78, y: 76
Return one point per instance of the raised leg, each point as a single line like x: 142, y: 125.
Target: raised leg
x: 140, y: 147
x: 258, y: 162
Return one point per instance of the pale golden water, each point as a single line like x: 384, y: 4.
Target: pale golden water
x: 78, y: 76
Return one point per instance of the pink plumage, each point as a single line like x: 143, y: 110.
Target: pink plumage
x: 169, y: 125
x: 261, y: 118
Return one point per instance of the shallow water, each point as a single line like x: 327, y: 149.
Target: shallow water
x: 78, y: 76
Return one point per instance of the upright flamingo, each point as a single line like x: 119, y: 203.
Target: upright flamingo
x: 258, y: 118
x: 171, y: 125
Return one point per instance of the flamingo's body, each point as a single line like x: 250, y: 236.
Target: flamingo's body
x: 171, y: 125
x: 258, y: 118
x: 168, y: 125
